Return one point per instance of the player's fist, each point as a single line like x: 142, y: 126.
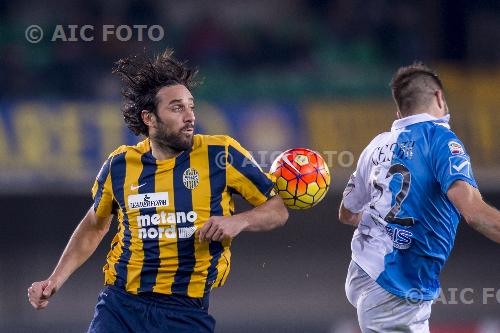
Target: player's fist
x: 219, y: 228
x: 40, y: 292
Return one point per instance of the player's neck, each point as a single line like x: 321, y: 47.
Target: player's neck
x: 436, y: 113
x: 162, y: 152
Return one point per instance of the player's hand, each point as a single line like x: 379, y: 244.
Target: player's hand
x: 40, y: 292
x: 219, y: 228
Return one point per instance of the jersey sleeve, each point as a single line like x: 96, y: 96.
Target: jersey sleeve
x: 357, y: 192
x: 245, y: 176
x: 102, y: 193
x: 449, y: 160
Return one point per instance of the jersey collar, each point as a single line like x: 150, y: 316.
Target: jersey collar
x: 420, y: 118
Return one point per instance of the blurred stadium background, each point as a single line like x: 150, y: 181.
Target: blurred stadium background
x: 278, y: 74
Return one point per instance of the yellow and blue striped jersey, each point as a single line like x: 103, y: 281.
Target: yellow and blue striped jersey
x: 161, y: 203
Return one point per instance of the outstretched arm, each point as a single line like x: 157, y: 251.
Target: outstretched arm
x: 269, y: 215
x: 81, y: 245
x: 478, y: 214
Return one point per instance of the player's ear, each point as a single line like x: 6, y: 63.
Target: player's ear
x: 147, y: 117
x: 439, y: 99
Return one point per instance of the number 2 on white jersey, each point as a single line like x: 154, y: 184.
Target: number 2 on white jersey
x: 400, y: 196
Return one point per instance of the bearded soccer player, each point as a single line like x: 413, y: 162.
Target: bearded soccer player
x: 172, y: 194
x: 406, y: 196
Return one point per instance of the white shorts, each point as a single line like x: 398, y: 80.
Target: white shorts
x: 380, y: 311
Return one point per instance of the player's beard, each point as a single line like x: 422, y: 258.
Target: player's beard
x: 171, y: 141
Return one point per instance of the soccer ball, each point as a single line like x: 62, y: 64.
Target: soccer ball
x: 302, y: 177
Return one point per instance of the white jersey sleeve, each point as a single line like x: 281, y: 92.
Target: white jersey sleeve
x: 357, y: 193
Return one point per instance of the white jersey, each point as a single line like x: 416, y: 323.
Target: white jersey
x: 408, y: 224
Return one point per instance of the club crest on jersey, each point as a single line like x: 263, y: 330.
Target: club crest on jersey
x: 460, y: 165
x: 456, y: 148
x: 191, y: 178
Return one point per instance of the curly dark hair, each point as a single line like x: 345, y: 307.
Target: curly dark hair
x: 413, y: 86
x: 142, y: 78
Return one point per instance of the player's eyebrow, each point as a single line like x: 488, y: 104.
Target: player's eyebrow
x: 191, y: 99
x: 175, y: 101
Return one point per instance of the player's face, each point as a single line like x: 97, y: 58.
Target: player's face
x: 174, y: 125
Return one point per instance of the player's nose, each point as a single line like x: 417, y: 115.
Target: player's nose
x: 189, y: 116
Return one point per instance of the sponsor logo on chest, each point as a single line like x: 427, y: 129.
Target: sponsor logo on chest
x: 148, y: 200
x: 167, y: 225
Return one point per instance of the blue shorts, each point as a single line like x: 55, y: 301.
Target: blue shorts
x: 119, y: 311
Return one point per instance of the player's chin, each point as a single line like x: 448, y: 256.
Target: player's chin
x: 186, y: 140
